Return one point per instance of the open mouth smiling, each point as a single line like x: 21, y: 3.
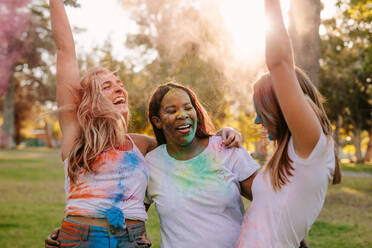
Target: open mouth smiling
x: 119, y: 100
x: 184, y: 128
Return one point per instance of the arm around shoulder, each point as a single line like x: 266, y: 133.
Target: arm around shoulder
x: 144, y: 143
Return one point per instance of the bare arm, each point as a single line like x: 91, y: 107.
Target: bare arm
x: 301, y: 119
x: 67, y: 75
x: 246, y: 187
x: 144, y: 143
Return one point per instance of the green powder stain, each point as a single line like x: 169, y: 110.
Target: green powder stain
x: 199, y: 174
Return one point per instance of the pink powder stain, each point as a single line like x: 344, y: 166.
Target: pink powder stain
x: 132, y: 198
x: 252, y: 231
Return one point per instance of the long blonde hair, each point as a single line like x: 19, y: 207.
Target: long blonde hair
x: 102, y: 126
x: 269, y: 112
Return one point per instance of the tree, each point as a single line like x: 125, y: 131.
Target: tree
x: 14, y: 20
x: 186, y: 46
x: 28, y: 45
x: 346, y: 69
x: 304, y: 31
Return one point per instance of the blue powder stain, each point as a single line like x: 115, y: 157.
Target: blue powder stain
x: 115, y: 216
x: 129, y: 162
x: 127, y: 165
x: 119, y: 196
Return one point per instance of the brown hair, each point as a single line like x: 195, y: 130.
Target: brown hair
x: 205, y: 127
x: 102, y: 126
x: 270, y: 114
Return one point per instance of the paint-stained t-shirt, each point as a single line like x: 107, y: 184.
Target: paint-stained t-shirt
x: 198, y: 200
x: 119, y: 184
x: 281, y: 219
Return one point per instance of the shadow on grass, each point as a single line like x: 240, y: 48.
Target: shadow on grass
x: 8, y: 225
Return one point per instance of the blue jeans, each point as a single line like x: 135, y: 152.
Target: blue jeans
x: 75, y: 234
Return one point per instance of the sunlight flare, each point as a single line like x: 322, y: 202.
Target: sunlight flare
x: 246, y: 22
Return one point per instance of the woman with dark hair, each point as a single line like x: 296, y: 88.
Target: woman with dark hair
x: 105, y: 171
x: 204, y: 128
x: 195, y: 182
x: 290, y: 191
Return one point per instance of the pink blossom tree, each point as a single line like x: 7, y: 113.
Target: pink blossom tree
x: 14, y: 22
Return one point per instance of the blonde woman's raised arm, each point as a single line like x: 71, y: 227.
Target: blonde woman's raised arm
x: 67, y: 75
x: 300, y: 117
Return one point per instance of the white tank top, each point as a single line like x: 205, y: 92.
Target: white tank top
x: 117, y: 187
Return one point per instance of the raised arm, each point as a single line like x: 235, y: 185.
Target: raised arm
x: 300, y: 117
x: 67, y: 75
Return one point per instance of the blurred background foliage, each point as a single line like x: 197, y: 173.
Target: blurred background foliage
x: 28, y: 90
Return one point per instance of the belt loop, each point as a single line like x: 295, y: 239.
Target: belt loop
x: 130, y: 234
x: 85, y: 235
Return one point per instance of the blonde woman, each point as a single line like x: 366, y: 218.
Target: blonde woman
x: 288, y: 194
x: 105, y: 172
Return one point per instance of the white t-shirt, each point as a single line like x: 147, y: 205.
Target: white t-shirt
x: 198, y: 200
x: 284, y: 218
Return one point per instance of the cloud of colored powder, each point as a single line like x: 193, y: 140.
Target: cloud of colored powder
x: 14, y: 22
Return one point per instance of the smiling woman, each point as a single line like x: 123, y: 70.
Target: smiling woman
x: 175, y: 106
x: 171, y: 100
x: 105, y: 173
x: 195, y: 182
x: 112, y: 89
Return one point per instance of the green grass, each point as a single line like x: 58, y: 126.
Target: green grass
x: 32, y: 202
x: 356, y: 167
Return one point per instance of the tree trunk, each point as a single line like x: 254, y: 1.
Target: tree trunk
x: 48, y: 135
x: 368, y: 155
x: 304, y: 18
x: 336, y: 134
x: 9, y: 121
x: 358, y: 151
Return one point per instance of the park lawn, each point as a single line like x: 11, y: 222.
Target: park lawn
x: 32, y: 202
x: 357, y: 167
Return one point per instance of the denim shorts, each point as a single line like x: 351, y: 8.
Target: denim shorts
x: 75, y: 234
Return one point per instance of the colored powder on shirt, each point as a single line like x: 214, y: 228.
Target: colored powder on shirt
x: 196, y: 174
x: 115, y: 216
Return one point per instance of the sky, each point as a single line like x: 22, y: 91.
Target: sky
x: 100, y: 23
x: 112, y: 21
